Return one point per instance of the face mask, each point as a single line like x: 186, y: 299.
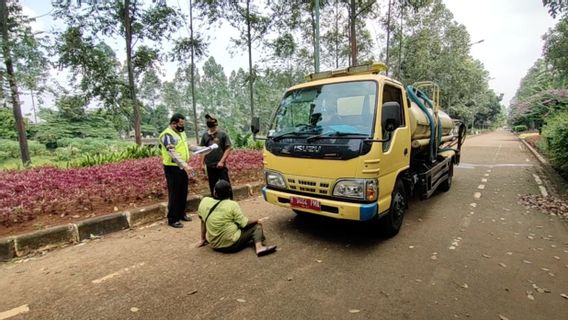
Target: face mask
x: 180, y: 128
x: 211, y: 124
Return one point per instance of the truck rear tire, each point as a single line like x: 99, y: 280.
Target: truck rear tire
x: 390, y: 225
x: 447, y: 184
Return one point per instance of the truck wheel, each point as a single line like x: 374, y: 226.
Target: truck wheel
x: 446, y: 185
x: 391, y: 223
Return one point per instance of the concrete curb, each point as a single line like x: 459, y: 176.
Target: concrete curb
x: 21, y: 245
x: 534, y: 152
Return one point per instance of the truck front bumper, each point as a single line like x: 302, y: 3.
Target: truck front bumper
x: 330, y: 208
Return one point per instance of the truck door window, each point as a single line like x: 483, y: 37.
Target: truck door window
x: 392, y: 94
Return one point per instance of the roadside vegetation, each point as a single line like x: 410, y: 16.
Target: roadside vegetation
x: 541, y: 102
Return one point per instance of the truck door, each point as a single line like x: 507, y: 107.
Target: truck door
x: 395, y: 153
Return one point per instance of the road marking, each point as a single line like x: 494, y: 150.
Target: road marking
x: 527, y: 160
x: 481, y: 187
x: 465, y: 222
x: 543, y: 191
x: 14, y: 312
x: 112, y: 275
x: 483, y: 180
x: 497, y: 153
x: 464, y: 165
x: 455, y: 243
x: 477, y: 195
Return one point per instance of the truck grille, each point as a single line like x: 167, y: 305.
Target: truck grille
x: 309, y: 185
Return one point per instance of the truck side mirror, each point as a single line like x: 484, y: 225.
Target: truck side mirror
x: 391, y: 116
x: 255, y: 125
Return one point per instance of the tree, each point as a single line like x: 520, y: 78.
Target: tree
x: 357, y: 10
x: 135, y: 25
x: 213, y: 93
x: 555, y: 6
x: 250, y: 22
x: 556, y: 48
x: 12, y: 25
x: 192, y: 49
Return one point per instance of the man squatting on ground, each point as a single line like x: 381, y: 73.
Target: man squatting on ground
x: 225, y: 227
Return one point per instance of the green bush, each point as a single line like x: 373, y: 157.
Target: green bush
x: 132, y: 152
x: 520, y: 128
x: 10, y: 149
x: 555, y: 134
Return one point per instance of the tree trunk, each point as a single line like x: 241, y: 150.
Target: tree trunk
x: 400, y: 42
x: 20, y: 126
x: 251, y: 78
x: 135, y: 106
x: 388, y: 33
x: 337, y: 34
x: 33, y: 106
x: 352, y: 20
x: 193, y: 73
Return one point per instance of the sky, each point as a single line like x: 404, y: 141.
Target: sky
x: 511, y: 31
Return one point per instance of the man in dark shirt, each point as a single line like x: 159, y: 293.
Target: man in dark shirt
x: 215, y: 162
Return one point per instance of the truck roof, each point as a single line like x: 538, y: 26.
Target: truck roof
x: 357, y: 73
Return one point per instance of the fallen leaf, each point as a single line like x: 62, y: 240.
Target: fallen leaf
x: 411, y: 247
x: 192, y: 292
x: 502, y: 317
x: 563, y: 295
x: 527, y: 261
x: 509, y: 253
x: 318, y: 261
x: 486, y: 256
x: 465, y: 286
x: 540, y: 290
x: 557, y: 257
x: 434, y: 257
x: 503, y: 265
x: 134, y: 309
x: 354, y: 310
x: 241, y: 300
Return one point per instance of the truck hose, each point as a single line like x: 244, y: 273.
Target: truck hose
x: 413, y: 96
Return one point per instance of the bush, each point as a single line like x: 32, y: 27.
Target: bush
x: 10, y: 149
x: 520, y: 128
x: 97, y: 159
x: 555, y: 134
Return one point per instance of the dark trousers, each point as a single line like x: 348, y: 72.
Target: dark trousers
x: 252, y: 233
x: 177, y: 181
x: 215, y: 174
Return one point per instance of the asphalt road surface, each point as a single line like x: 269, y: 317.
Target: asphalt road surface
x: 471, y: 253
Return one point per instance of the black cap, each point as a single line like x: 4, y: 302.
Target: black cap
x: 209, y: 116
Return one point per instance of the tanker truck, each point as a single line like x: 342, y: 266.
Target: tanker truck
x: 355, y: 144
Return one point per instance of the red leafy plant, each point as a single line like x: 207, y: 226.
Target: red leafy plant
x: 24, y: 195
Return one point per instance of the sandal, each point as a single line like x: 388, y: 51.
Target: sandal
x: 267, y: 251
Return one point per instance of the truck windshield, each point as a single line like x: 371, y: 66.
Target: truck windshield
x: 346, y: 108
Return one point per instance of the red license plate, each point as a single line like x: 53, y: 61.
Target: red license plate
x: 303, y: 203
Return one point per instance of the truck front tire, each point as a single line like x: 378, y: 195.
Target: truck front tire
x: 389, y: 225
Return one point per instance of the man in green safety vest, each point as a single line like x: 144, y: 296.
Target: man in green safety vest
x: 175, y: 157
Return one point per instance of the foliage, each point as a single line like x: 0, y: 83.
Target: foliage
x: 10, y: 149
x: 555, y: 6
x: 556, y: 47
x: 132, y: 152
x: 7, y: 124
x: 24, y: 195
x: 520, y: 128
x: 555, y: 134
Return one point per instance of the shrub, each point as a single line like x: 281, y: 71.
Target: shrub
x: 555, y: 134
x: 520, y: 128
x: 10, y: 149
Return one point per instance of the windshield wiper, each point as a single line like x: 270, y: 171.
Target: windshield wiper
x: 286, y: 134
x: 334, y: 134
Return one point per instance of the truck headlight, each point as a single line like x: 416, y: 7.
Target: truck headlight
x: 362, y: 189
x: 275, y: 180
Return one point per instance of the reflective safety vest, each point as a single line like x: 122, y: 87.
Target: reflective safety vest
x: 180, y: 146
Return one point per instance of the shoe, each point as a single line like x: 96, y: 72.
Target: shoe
x: 176, y: 224
x: 268, y: 250
x: 186, y: 218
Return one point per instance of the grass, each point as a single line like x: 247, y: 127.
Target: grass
x: 38, y: 161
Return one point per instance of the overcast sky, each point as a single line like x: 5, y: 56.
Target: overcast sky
x: 511, y: 30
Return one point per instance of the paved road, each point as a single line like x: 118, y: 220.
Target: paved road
x: 457, y: 257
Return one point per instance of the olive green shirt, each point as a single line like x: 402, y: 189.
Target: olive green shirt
x: 225, y: 223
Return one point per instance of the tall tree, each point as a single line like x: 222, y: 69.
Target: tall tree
x: 136, y: 25
x: 248, y: 19
x: 357, y: 10
x: 10, y: 28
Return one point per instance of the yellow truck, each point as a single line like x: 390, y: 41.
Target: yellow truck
x: 355, y: 144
